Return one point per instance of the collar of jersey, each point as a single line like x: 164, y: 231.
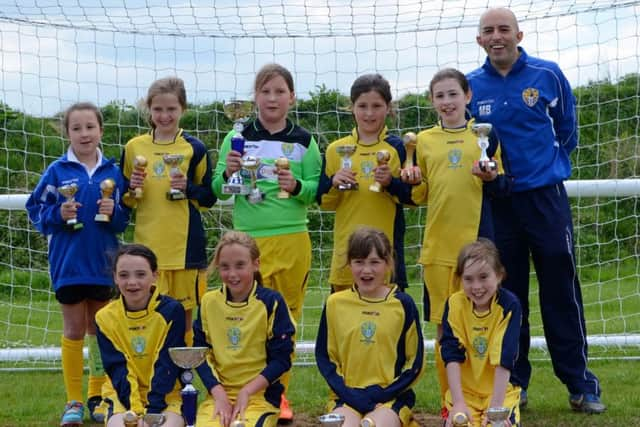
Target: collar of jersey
x: 175, y: 138
x: 461, y: 129
x: 382, y: 137
x: 257, y: 125
x: 227, y: 296
x: 392, y: 290
x: 151, y: 306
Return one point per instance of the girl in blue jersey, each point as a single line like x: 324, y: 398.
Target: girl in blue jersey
x: 135, y: 333
x: 450, y: 180
x: 479, y: 344
x: 168, y: 198
x: 369, y: 347
x: 250, y: 333
x: 78, y: 254
x: 359, y: 205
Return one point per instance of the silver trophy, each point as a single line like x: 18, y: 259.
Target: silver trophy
x: 367, y: 422
x: 345, y: 152
x: 239, y: 112
x: 331, y: 420
x: 154, y: 420
x: 69, y: 191
x: 498, y: 416
x: 173, y: 161
x: 188, y: 358
x: 252, y: 164
x: 482, y: 131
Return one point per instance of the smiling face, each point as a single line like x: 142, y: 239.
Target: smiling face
x: 134, y: 278
x: 166, y: 110
x: 84, y: 133
x: 480, y: 283
x: 450, y: 102
x: 273, y: 100
x: 370, y: 110
x: 237, y: 270
x: 370, y: 275
x: 499, y: 36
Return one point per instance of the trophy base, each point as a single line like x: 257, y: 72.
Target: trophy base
x: 256, y: 196
x: 74, y: 225
x: 102, y: 218
x: 375, y: 187
x: 283, y: 194
x: 178, y: 195
x: 235, y: 189
x: 488, y: 165
x: 348, y: 187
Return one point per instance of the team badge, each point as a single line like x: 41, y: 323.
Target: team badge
x: 234, y: 334
x: 455, y: 156
x: 287, y: 149
x: 138, y: 344
x: 530, y: 96
x: 158, y: 168
x: 367, y: 168
x: 480, y: 346
x: 368, y: 330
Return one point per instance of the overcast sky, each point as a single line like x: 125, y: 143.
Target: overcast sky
x: 56, y: 52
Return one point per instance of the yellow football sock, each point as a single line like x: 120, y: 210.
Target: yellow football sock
x: 442, y: 374
x: 72, y: 367
x: 96, y: 370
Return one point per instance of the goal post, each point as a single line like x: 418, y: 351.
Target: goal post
x: 57, y: 53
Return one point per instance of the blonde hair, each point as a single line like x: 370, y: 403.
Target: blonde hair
x: 482, y: 250
x: 173, y: 85
x: 237, y: 238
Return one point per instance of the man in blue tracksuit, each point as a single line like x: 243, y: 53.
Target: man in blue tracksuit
x: 530, y: 103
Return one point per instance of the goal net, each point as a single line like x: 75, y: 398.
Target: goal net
x: 56, y: 53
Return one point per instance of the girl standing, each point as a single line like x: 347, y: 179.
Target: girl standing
x: 79, y: 247
x: 175, y: 186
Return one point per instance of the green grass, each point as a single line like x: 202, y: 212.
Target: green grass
x: 36, y: 398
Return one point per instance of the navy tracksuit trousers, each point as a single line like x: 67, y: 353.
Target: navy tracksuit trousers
x: 538, y: 223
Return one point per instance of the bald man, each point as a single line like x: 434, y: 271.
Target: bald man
x: 530, y: 104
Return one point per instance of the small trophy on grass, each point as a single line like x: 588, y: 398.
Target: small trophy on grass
x: 498, y: 416
x: 239, y: 112
x: 106, y: 189
x: 69, y: 191
x: 188, y: 358
x: 345, y: 152
x: 331, y: 420
x: 482, y: 131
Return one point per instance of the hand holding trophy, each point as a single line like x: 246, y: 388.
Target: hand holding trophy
x: 345, y: 152
x: 106, y: 189
x: 69, y: 191
x: 382, y: 157
x: 482, y: 131
x: 238, y: 112
x: 460, y: 419
x: 282, y: 164
x: 139, y: 165
x: 173, y: 161
x: 410, y: 173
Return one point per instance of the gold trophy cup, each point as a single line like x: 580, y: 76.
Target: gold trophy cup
x: 139, y: 164
x: 382, y: 157
x: 106, y: 189
x: 345, y: 152
x: 239, y: 112
x: 188, y: 358
x: 460, y: 419
x: 498, y: 416
x: 282, y: 163
x: 69, y: 191
x: 410, y: 141
x: 331, y: 420
x: 154, y: 420
x: 482, y: 131
x: 252, y: 164
x: 173, y: 161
